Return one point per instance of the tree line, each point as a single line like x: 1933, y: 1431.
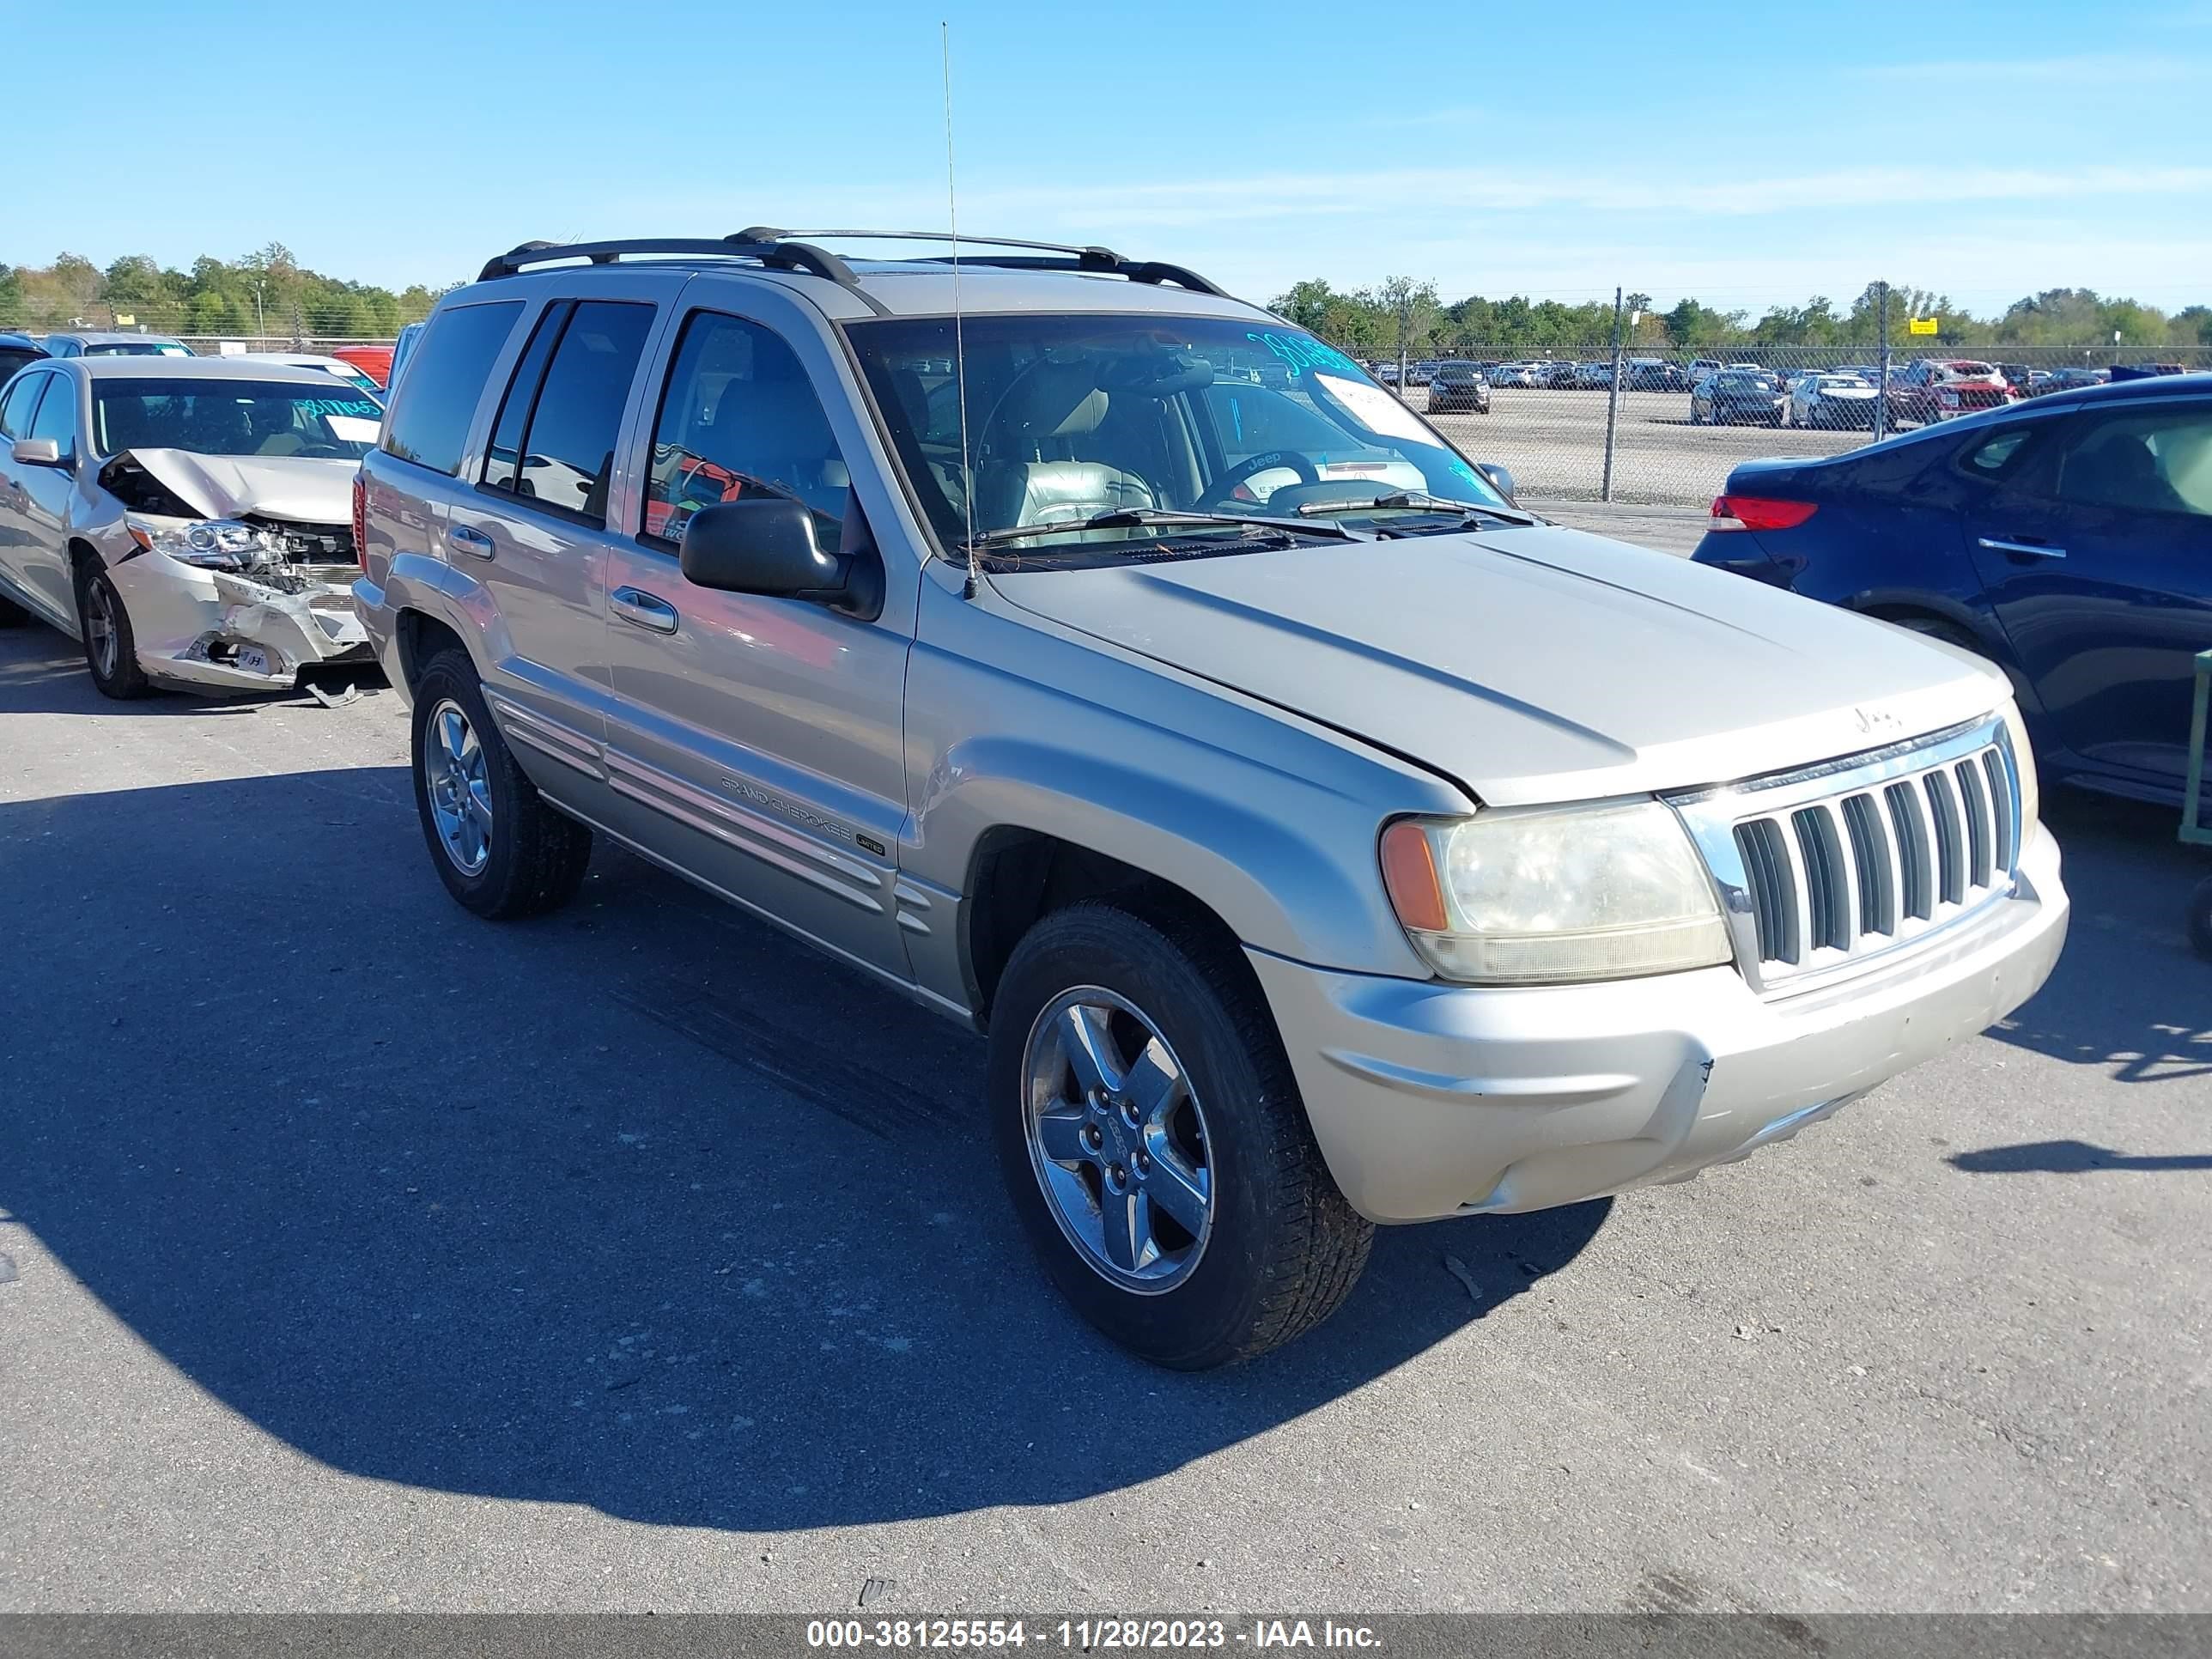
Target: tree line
x: 1402, y: 313
x: 266, y: 293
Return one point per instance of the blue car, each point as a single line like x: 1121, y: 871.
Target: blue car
x: 2068, y: 539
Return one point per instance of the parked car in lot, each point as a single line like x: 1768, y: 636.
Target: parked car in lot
x: 184, y: 518
x: 1555, y: 375
x: 1512, y: 374
x: 2067, y: 539
x: 1459, y: 386
x: 1702, y: 366
x: 1736, y: 395
x: 336, y: 367
x: 1593, y: 377
x: 15, y: 350
x: 114, y: 345
x: 1422, y: 373
x: 1937, y: 389
x: 1312, y: 849
x: 1386, y: 371
x: 374, y: 361
x: 2043, y: 380
x: 1652, y: 374
x: 1832, y: 401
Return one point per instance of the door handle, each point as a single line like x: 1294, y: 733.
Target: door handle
x: 643, y: 609
x: 462, y: 539
x: 2022, y: 550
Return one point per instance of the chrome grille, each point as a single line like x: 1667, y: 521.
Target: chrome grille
x: 1826, y: 869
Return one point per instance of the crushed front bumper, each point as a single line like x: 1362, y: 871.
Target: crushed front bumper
x: 1430, y: 1099
x: 216, y: 630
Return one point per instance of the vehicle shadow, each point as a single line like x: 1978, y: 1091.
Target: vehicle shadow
x: 2128, y: 994
x: 640, y: 1205
x: 2067, y: 1157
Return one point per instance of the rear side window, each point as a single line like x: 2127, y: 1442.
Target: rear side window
x: 563, y: 455
x: 503, y: 456
x: 429, y: 424
x: 1994, y: 456
x: 2159, y: 461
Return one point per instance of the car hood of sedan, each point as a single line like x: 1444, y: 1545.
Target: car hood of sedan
x: 309, y: 490
x: 1530, y: 666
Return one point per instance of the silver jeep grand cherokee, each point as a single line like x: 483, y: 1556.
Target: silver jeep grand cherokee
x: 1320, y: 839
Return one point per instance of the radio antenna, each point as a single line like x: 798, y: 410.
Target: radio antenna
x: 959, y: 343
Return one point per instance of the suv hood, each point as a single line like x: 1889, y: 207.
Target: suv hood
x: 1531, y: 666
x: 304, y: 488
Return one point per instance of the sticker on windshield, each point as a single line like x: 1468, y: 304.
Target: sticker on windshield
x: 353, y: 428
x: 1303, y: 351
x: 1374, y: 408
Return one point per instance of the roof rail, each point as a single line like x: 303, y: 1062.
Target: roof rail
x: 776, y: 250
x: 773, y: 252
x: 1102, y: 260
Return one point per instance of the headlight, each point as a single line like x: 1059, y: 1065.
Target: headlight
x: 213, y: 544
x: 1543, y: 898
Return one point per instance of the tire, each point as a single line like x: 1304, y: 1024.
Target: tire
x: 529, y: 859
x: 12, y: 615
x: 110, y: 649
x: 1278, y: 1249
x: 2200, y: 918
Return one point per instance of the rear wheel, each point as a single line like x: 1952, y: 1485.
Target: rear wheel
x: 12, y: 615
x: 500, y: 850
x: 111, y: 650
x: 1154, y: 1143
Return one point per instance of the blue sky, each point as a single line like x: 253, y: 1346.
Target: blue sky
x: 1747, y: 153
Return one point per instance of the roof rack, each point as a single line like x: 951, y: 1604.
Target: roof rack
x: 1102, y: 260
x: 774, y: 251
x: 778, y: 251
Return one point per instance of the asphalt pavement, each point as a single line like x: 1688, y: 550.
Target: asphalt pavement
x: 356, y: 1254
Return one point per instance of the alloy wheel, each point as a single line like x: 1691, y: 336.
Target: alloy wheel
x: 460, y: 786
x: 1117, y: 1140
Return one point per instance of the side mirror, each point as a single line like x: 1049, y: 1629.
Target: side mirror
x: 767, y: 546
x: 1500, y: 480
x: 38, y: 452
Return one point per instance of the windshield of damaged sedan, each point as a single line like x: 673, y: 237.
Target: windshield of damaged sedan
x: 1069, y: 417
x: 234, y: 417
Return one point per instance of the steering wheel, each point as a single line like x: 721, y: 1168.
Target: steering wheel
x: 1252, y: 465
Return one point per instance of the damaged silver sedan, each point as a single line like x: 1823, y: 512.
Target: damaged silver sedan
x: 189, y: 519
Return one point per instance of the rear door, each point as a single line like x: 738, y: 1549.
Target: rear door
x: 2097, y: 556
x: 530, y: 528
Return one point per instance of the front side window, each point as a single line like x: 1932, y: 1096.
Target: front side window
x: 234, y: 417
x: 56, y: 416
x: 23, y: 398
x: 429, y: 422
x: 1073, y: 417
x: 740, y: 418
x: 564, y: 455
x: 2157, y: 461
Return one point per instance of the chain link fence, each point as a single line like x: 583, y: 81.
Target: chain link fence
x: 1676, y: 423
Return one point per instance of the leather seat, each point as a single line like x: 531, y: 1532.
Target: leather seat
x: 1054, y: 408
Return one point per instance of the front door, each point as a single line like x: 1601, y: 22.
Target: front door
x: 756, y: 741
x: 2098, y: 557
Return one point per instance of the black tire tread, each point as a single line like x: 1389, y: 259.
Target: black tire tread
x: 129, y: 681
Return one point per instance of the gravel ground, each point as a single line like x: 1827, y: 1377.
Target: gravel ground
x: 356, y: 1254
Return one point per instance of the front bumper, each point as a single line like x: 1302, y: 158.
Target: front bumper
x: 216, y: 631
x: 1429, y: 1099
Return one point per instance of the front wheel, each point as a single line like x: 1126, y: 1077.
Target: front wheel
x: 110, y: 649
x: 1154, y: 1143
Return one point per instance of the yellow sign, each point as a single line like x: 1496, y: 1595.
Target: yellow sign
x: 1920, y: 324
x: 124, y: 319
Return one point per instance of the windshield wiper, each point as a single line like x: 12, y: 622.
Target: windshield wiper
x: 1136, y: 518
x: 1414, y: 500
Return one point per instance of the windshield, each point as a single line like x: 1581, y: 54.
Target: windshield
x: 1071, y: 416
x: 234, y: 417
x: 137, y: 349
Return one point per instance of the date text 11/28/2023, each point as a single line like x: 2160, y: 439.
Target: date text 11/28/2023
x: 1087, y: 1635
